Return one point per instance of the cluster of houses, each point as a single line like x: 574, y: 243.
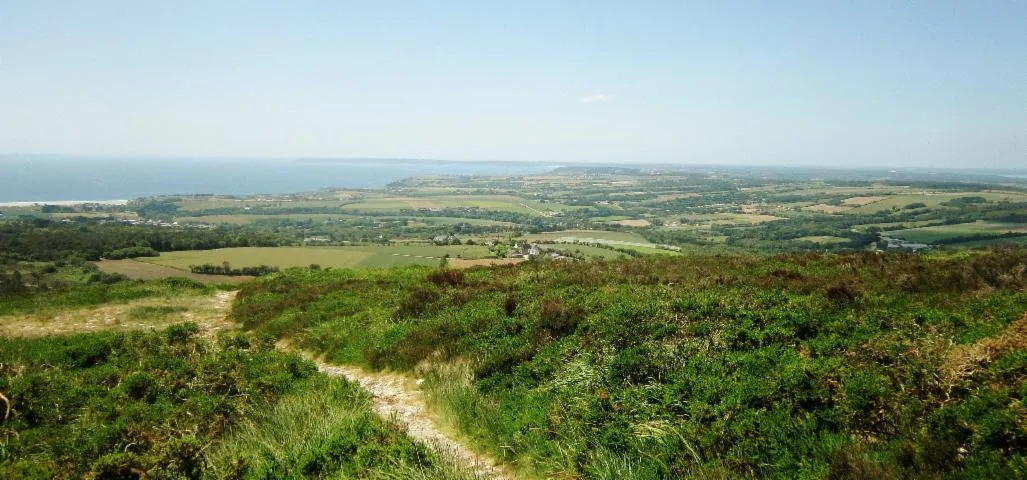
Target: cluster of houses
x: 156, y: 223
x: 528, y: 250
x: 523, y: 250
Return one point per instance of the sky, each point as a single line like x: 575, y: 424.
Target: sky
x: 864, y: 83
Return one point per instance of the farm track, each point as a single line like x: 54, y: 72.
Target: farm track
x: 396, y: 398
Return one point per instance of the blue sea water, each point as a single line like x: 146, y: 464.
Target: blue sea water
x: 62, y: 178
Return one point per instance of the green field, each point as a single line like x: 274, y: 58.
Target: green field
x: 431, y: 221
x: 725, y: 218
x: 507, y: 203
x: 933, y: 200
x: 942, y: 232
x: 824, y: 239
x: 192, y: 205
x: 590, y: 251
x: 902, y: 225
x: 244, y: 219
x: 350, y: 257
x: 588, y: 234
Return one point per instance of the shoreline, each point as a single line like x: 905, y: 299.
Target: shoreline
x: 65, y: 203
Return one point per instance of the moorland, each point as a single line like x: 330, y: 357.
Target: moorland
x: 590, y: 322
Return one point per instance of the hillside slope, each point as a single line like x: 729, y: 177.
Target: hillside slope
x: 801, y: 366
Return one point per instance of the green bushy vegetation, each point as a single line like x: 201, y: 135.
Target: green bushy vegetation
x: 793, y: 366
x: 169, y: 405
x: 226, y: 269
x: 99, y: 288
x: 331, y: 434
x: 128, y: 405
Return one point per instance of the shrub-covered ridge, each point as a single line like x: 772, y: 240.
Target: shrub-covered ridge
x: 798, y: 366
x: 170, y: 405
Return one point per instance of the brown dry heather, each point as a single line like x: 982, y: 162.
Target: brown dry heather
x: 963, y: 360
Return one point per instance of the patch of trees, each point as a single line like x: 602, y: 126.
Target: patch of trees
x: 977, y: 238
x: 131, y: 252
x: 157, y: 209
x: 46, y: 240
x: 12, y: 284
x: 56, y: 209
x: 226, y: 269
x: 964, y: 201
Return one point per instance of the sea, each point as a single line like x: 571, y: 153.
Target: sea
x: 38, y: 178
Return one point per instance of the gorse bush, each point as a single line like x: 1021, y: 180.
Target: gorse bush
x: 130, y: 405
x: 796, y: 366
x: 170, y: 405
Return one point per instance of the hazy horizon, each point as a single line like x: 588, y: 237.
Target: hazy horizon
x: 800, y: 84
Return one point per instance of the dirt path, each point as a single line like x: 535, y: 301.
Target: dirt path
x: 397, y: 397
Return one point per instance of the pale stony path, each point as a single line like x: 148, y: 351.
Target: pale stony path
x: 397, y: 398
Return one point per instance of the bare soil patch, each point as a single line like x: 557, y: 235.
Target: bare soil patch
x: 675, y: 196
x: 826, y: 208
x: 638, y: 222
x: 750, y: 208
x: 860, y: 201
x: 466, y: 263
x: 757, y: 218
x: 429, y: 204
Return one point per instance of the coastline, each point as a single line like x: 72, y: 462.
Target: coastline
x: 66, y: 203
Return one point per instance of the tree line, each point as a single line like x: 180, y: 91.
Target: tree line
x: 226, y: 269
x: 47, y: 240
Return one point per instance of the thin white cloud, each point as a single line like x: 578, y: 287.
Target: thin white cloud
x: 596, y: 97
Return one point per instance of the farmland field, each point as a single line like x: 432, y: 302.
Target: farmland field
x: 589, y: 234
x: 456, y: 220
x: 932, y: 200
x: 488, y: 202
x: 942, y: 232
x: 137, y: 270
x: 826, y: 239
x: 244, y: 219
x: 350, y: 257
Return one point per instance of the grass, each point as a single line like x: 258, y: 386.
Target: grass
x: 169, y: 404
x: 942, y: 232
x: 326, y: 428
x: 140, y: 270
x: 349, y: 257
x: 726, y: 218
x: 822, y: 239
x: 590, y: 251
x: 244, y: 219
x: 103, y: 405
x: 146, y: 313
x: 622, y: 240
x: 931, y: 200
x: 77, y: 296
x: 431, y: 221
x: 582, y: 235
x: 506, y: 203
x: 797, y: 366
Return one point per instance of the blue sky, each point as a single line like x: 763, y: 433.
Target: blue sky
x: 917, y: 83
